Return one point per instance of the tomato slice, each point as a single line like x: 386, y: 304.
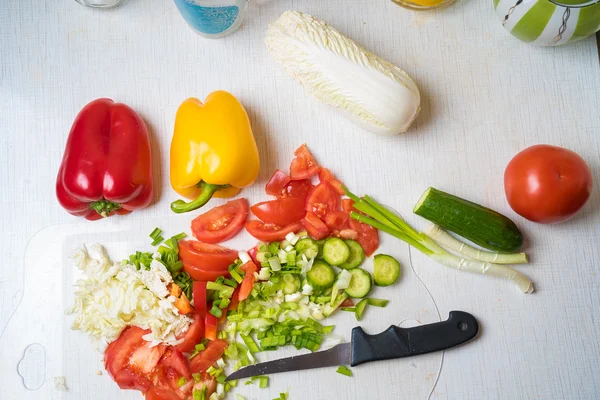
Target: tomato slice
x: 221, y: 223
x: 195, y: 332
x: 280, y: 212
x: 199, y: 295
x: 270, y: 232
x: 315, y: 227
x: 210, y: 326
x: 301, y: 189
x: 336, y: 220
x: 129, y: 359
x: 174, y: 359
x: 325, y: 175
x: 277, y: 183
x: 368, y: 237
x: 157, y: 393
x: 246, y: 287
x: 303, y: 165
x: 209, y: 356
x: 205, y: 262
x: 323, y: 200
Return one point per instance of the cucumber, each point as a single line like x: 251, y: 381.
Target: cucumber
x: 308, y: 247
x: 320, y: 253
x: 360, y: 284
x: 335, y: 251
x: 357, y: 255
x: 291, y: 283
x: 386, y: 270
x: 320, y: 276
x: 479, y: 224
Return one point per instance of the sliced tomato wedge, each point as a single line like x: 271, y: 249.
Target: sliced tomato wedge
x: 270, y: 232
x: 301, y: 189
x: 174, y: 359
x: 280, y: 212
x: 130, y: 360
x: 368, y: 237
x: 205, y: 262
x: 303, y: 165
x: 337, y: 220
x: 315, y: 227
x: 277, y: 183
x: 208, y: 357
x: 347, y: 303
x: 325, y: 175
x: 199, y: 295
x: 221, y: 223
x: 157, y: 393
x: 195, y: 332
x: 323, y: 200
x: 210, y: 326
x: 249, y: 269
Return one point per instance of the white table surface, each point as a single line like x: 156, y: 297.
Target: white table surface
x: 485, y: 97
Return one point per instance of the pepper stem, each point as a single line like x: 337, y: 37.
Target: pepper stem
x: 208, y: 190
x: 104, y: 207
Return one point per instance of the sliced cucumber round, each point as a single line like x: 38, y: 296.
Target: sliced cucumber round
x: 386, y: 270
x: 357, y: 255
x: 335, y: 251
x: 320, y: 276
x: 308, y: 247
x: 360, y: 284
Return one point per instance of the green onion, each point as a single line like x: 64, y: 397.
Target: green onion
x: 262, y: 247
x: 274, y: 264
x: 235, y: 275
x: 263, y: 381
x: 273, y: 247
x: 221, y: 378
x: 239, y: 397
x: 342, y: 369
x: 282, y: 396
x: 377, y: 302
x: 250, y: 343
x: 197, y: 377
x: 200, y: 394
x: 182, y: 381
x: 157, y: 241
x: 222, y: 335
x: 216, y: 311
x: 230, y: 282
x: 349, y: 309
x: 155, y: 233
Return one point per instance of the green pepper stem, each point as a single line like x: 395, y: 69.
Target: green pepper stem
x: 104, y: 207
x: 208, y: 190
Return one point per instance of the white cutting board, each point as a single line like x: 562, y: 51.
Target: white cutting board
x: 39, y: 345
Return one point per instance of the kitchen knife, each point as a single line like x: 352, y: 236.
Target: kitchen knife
x: 394, y: 342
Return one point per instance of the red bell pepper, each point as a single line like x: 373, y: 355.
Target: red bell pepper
x: 107, y: 165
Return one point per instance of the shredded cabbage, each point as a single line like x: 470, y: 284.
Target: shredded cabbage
x: 112, y: 296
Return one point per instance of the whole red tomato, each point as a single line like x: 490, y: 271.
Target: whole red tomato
x: 547, y: 184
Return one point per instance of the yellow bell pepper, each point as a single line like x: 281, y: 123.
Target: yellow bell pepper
x: 213, y: 151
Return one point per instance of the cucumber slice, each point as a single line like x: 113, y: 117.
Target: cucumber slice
x: 308, y: 247
x: 335, y: 251
x: 360, y: 309
x: 386, y: 270
x: 291, y: 283
x: 320, y: 276
x: 360, y: 284
x: 479, y: 224
x: 357, y: 255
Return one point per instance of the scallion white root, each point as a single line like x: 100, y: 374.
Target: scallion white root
x: 448, y: 241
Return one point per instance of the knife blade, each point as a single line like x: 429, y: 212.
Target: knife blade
x: 394, y: 342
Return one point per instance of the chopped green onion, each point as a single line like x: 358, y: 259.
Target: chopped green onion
x: 342, y: 369
x: 155, y: 233
x: 275, y: 264
x: 197, y: 377
x: 235, y: 275
x: 216, y: 311
x: 222, y: 335
x: 282, y: 396
x: 171, y: 242
x: 221, y: 378
x: 180, y: 236
x: 273, y: 247
x: 250, y: 343
x: 200, y: 394
x: 239, y: 397
x: 349, y: 309
x: 262, y: 247
x: 182, y: 381
x: 263, y: 381
x: 377, y: 302
x: 157, y: 241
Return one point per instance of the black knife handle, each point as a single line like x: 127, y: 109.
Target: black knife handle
x: 396, y: 342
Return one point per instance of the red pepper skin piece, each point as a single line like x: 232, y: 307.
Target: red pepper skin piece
x: 107, y: 162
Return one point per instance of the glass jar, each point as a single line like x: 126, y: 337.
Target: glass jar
x: 100, y: 3
x: 423, y: 4
x: 213, y: 18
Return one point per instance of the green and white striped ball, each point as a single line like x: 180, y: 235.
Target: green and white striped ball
x: 549, y: 22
